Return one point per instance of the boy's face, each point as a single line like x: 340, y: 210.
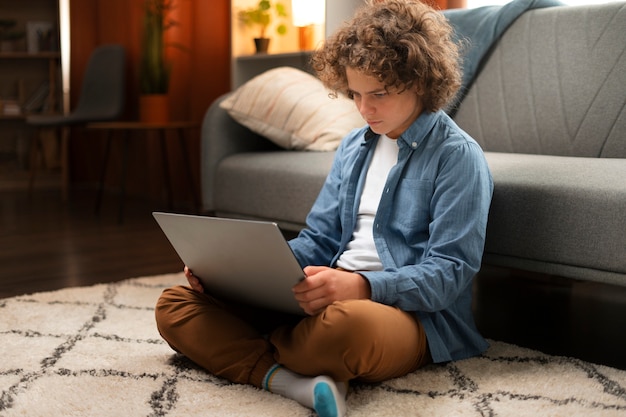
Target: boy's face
x: 386, y: 112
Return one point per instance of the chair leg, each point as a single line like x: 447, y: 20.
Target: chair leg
x: 107, y: 151
x: 120, y: 215
x: 36, y: 151
x: 65, y: 162
x: 166, y: 173
x: 38, y: 156
x: 183, y: 148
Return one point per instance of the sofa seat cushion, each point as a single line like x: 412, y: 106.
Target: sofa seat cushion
x: 558, y: 215
x: 280, y: 186
x: 555, y: 215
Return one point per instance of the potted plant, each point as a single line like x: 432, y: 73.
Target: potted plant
x: 154, y: 68
x: 261, y: 17
x: 8, y: 36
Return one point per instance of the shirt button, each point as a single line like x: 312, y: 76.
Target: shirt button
x: 414, y: 145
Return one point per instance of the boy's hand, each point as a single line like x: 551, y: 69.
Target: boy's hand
x: 194, y: 282
x: 323, y: 286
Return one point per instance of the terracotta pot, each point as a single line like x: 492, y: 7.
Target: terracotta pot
x: 154, y: 108
x: 261, y: 45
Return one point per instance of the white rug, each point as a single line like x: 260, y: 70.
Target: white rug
x: 94, y: 351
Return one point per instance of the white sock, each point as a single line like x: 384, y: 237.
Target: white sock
x: 320, y: 393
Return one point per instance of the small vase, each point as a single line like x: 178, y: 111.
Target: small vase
x: 154, y: 108
x: 261, y: 45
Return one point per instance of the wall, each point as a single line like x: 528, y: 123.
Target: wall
x: 338, y: 11
x: 200, y: 74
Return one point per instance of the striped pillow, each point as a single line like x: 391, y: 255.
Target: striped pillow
x: 292, y: 108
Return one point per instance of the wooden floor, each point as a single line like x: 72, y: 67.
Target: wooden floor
x: 48, y: 244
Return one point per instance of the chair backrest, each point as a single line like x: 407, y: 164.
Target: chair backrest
x: 102, y: 94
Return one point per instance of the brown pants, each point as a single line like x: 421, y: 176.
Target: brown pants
x: 355, y: 339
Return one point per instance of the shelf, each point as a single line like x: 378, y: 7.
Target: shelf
x: 261, y: 57
x: 23, y: 116
x: 28, y: 55
x: 12, y: 117
x: 249, y: 66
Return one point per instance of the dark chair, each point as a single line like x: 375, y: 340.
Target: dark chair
x: 101, y: 99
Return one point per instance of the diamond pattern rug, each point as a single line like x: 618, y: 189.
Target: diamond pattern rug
x: 95, y: 351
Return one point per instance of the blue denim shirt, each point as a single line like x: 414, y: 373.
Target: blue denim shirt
x: 429, y: 229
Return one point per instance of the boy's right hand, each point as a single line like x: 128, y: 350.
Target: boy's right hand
x: 194, y: 282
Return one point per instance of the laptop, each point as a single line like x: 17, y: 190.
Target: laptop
x: 242, y: 260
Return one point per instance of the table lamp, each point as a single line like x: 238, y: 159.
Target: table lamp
x: 306, y: 14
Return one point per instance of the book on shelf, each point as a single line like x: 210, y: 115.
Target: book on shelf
x: 37, y: 100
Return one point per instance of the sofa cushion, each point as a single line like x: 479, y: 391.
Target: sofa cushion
x: 293, y: 109
x: 554, y: 85
x: 554, y: 215
x: 558, y: 215
x: 280, y: 186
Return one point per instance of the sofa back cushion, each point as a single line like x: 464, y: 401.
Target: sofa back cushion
x: 554, y: 84
x: 293, y: 109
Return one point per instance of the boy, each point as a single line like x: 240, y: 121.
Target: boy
x: 392, y: 242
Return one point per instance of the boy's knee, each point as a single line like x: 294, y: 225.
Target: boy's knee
x: 349, y: 319
x: 171, y: 310
x: 169, y: 305
x: 358, y: 322
x: 168, y: 297
x: 349, y: 312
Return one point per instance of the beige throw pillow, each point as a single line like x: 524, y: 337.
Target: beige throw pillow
x: 292, y: 108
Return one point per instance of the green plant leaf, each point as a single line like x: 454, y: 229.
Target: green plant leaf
x: 261, y: 16
x: 154, y: 69
x: 264, y: 5
x: 281, y: 10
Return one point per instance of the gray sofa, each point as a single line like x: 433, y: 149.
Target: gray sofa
x: 549, y: 109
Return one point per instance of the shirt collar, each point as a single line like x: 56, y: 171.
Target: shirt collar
x: 370, y: 135
x: 417, y: 132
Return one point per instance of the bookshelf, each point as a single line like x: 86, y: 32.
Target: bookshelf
x: 30, y: 80
x: 30, y: 70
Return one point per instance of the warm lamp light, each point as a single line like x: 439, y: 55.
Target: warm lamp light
x: 306, y: 14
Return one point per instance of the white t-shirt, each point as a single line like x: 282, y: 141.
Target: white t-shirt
x: 360, y: 253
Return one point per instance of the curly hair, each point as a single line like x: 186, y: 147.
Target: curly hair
x: 403, y: 43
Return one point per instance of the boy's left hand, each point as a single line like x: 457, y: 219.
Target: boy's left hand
x: 323, y: 286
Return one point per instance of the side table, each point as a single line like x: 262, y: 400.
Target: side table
x: 126, y: 128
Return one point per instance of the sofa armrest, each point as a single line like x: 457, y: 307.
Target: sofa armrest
x: 222, y: 136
